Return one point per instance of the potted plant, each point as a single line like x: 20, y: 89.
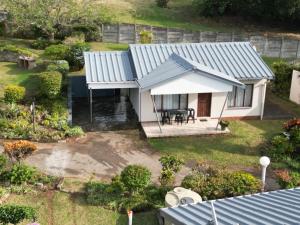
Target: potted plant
x: 224, y: 124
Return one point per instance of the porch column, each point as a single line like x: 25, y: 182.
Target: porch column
x: 155, y: 109
x: 91, y: 105
x: 222, y: 110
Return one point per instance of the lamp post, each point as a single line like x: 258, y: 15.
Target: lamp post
x: 264, y: 162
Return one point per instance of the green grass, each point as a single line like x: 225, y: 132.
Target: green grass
x: 239, y: 149
x: 100, y: 46
x: 56, y: 208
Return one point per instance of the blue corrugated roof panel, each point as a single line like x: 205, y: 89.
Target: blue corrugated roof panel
x: 269, y: 208
x: 177, y: 65
x: 236, y: 59
x: 108, y: 67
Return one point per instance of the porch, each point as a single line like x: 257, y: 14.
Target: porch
x: 200, y: 127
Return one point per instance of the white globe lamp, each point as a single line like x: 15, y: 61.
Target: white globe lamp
x: 264, y: 161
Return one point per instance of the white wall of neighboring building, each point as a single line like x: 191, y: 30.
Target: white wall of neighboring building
x: 218, y: 99
x: 295, y: 87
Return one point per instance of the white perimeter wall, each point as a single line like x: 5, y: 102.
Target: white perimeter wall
x: 217, y: 102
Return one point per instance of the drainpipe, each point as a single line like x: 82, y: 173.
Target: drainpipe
x: 263, y: 100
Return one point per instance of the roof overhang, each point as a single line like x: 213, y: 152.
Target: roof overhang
x: 112, y: 85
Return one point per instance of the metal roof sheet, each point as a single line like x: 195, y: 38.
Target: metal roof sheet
x: 237, y: 59
x: 177, y: 65
x: 269, y: 208
x: 108, y: 67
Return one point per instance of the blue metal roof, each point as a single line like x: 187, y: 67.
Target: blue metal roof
x: 236, y: 59
x: 108, y: 67
x: 177, y: 65
x: 269, y: 208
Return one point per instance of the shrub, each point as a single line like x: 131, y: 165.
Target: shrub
x: 291, y: 124
x: 51, y: 83
x: 74, y: 131
x: 162, y: 3
x: 42, y: 43
x: 3, y: 163
x: 146, y: 37
x: 20, y: 174
x: 61, y: 66
x: 56, y: 52
x: 19, y: 150
x: 295, y: 136
x: 221, y: 185
x: 287, y: 179
x: 170, y: 166
x: 280, y: 148
x: 13, y: 93
x: 91, y: 32
x: 14, y: 214
x: 135, y: 177
x: 75, y: 55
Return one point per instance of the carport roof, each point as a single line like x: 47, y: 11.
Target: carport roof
x: 276, y: 207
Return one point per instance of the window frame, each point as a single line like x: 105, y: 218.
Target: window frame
x: 162, y: 102
x: 244, y: 94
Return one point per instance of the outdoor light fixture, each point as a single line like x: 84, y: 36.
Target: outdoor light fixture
x: 264, y: 162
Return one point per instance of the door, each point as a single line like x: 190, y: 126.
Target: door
x: 204, y: 103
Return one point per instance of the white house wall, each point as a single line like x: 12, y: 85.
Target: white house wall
x: 218, y: 99
x: 134, y: 99
x: 191, y: 83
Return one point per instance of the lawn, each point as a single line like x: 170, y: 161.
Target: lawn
x: 240, y: 149
x: 57, y: 208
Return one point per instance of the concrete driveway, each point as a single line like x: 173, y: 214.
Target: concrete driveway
x: 98, y: 154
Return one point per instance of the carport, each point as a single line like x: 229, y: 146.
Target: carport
x: 107, y: 70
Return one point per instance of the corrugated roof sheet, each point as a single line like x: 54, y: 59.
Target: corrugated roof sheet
x: 177, y: 65
x: 237, y: 59
x: 108, y: 67
x: 269, y: 208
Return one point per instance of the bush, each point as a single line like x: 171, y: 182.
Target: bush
x: 13, y: 93
x: 20, y: 174
x: 91, y: 32
x: 295, y: 136
x: 280, y: 148
x: 170, y: 166
x: 221, y: 185
x: 61, y: 66
x: 162, y: 3
x: 42, y: 43
x: 56, y: 52
x: 135, y: 177
x: 146, y: 37
x: 75, y: 55
x: 51, y: 83
x: 3, y: 163
x: 74, y: 132
x: 287, y: 179
x: 14, y: 214
x: 19, y: 150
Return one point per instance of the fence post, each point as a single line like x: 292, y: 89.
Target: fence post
x: 297, y: 50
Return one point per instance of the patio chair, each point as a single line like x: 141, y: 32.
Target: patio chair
x: 179, y: 118
x: 165, y: 117
x: 191, y: 115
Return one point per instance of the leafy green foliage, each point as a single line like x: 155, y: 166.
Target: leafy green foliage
x: 213, y: 184
x: 56, y: 52
x: 14, y: 214
x: 42, y: 43
x: 61, y: 66
x: 170, y: 166
x: 146, y: 37
x: 162, y: 3
x: 51, y: 83
x: 13, y: 93
x: 20, y: 174
x: 75, y: 131
x: 279, y: 148
x: 17, y: 49
x: 135, y: 177
x: 3, y: 163
x: 288, y: 179
x: 75, y: 55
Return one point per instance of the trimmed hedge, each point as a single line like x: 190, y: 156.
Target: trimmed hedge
x: 61, y: 66
x: 13, y: 93
x: 50, y: 84
x: 56, y: 52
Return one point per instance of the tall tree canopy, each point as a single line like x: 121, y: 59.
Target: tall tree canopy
x: 49, y: 15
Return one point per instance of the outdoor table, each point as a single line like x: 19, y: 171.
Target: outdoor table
x: 173, y: 112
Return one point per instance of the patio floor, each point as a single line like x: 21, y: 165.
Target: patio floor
x: 206, y: 127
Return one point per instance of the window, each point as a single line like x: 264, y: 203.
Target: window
x: 241, y: 97
x: 164, y: 102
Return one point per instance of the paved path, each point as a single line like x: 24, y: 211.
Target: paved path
x: 99, y: 154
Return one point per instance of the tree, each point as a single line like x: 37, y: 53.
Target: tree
x: 48, y: 15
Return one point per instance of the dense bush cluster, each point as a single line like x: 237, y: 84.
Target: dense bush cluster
x: 170, y: 166
x: 15, y: 214
x: 131, y: 190
x: 288, y: 179
x: 51, y: 84
x: 13, y: 93
x: 215, y: 184
x: 61, y: 66
x: 281, y: 10
x: 18, y: 150
x: 283, y: 77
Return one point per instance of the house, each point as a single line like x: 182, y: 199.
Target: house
x: 275, y: 207
x: 217, y: 80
